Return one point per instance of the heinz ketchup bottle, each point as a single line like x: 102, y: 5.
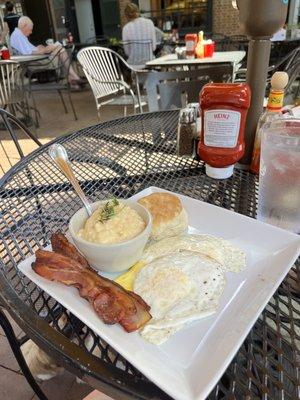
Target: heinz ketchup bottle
x: 224, y: 108
x: 190, y: 44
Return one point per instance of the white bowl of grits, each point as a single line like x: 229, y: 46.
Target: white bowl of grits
x: 113, y: 238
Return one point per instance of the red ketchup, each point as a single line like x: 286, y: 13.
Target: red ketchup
x: 224, y: 108
x: 191, y: 40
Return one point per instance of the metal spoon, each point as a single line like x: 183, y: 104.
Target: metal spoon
x: 59, y: 155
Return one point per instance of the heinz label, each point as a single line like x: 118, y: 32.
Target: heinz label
x: 190, y: 45
x: 221, y: 128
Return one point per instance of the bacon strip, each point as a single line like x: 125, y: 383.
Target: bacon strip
x: 61, y: 245
x: 112, y: 303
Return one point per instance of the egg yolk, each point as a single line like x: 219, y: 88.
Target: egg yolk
x: 127, y: 279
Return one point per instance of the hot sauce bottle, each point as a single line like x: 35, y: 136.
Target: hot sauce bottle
x: 200, y: 46
x: 224, y: 108
x: 273, y: 111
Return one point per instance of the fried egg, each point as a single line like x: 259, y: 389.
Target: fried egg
x: 230, y: 258
x: 180, y: 287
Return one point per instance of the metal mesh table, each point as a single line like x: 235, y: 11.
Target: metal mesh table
x: 120, y: 158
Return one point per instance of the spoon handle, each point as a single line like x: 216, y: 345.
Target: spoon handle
x: 65, y: 167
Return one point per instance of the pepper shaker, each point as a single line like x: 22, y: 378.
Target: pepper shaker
x: 186, y: 132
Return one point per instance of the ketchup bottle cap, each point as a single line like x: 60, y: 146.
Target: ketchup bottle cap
x: 219, y: 173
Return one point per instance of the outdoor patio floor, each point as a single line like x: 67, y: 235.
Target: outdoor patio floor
x: 54, y: 122
x: 14, y: 386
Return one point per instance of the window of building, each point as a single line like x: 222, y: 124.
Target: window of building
x: 18, y: 8
x: 185, y: 15
x: 58, y: 13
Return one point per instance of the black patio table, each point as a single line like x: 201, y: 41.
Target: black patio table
x: 122, y: 157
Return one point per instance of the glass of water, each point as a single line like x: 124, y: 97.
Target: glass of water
x: 279, y: 177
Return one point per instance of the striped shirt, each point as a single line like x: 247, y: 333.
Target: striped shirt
x: 139, y: 39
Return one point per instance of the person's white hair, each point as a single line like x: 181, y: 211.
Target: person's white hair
x: 24, y: 21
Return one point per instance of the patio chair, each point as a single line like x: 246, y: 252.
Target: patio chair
x: 10, y: 122
x: 291, y: 65
x: 221, y: 41
x: 237, y: 42
x: 60, y: 82
x: 12, y: 95
x: 292, y: 68
x: 102, y: 68
x: 172, y: 89
x: 139, y: 52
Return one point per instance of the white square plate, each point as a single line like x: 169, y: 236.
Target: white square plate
x: 190, y: 363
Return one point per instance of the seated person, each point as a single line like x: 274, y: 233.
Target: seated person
x: 141, y: 32
x: 21, y: 45
x: 11, y: 18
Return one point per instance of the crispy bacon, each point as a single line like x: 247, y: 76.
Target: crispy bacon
x: 112, y: 303
x: 61, y: 245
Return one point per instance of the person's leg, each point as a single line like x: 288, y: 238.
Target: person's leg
x: 64, y: 58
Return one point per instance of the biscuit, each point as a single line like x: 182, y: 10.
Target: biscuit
x: 168, y: 215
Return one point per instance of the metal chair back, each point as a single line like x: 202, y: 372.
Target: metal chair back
x: 56, y: 63
x: 291, y: 59
x: 289, y: 64
x: 221, y: 41
x: 10, y: 122
x: 139, y: 52
x: 10, y: 84
x: 237, y: 42
x: 102, y: 67
x: 60, y: 66
x: 292, y: 68
x: 286, y: 64
x: 172, y: 89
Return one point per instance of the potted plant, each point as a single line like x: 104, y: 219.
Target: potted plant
x: 116, y: 45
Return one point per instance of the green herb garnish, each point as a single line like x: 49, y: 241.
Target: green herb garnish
x: 108, y: 210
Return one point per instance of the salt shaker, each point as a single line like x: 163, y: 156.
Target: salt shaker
x: 186, y: 132
x: 197, y: 117
x: 197, y: 130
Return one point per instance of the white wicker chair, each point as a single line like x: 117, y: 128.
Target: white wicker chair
x: 102, y: 69
x: 12, y: 94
